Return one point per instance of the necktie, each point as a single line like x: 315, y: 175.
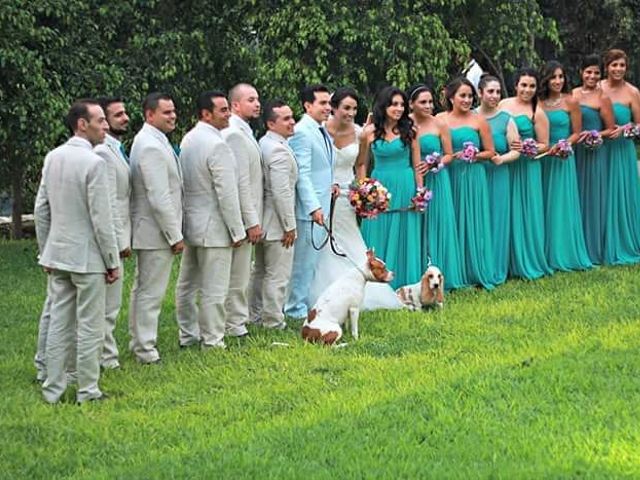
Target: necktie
x: 123, y: 151
x: 327, y: 142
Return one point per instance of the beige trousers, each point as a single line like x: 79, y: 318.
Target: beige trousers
x: 237, y: 303
x: 205, y: 271
x: 77, y: 319
x: 113, y: 302
x: 43, y: 330
x: 153, y: 268
x: 271, y: 276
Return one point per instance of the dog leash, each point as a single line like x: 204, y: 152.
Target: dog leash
x: 330, y: 239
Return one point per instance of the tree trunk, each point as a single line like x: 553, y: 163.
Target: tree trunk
x: 18, y: 200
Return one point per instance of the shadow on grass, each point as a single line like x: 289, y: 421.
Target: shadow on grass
x: 552, y: 418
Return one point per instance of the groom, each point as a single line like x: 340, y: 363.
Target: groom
x: 313, y: 149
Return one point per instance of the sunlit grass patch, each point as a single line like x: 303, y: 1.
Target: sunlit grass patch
x: 533, y: 380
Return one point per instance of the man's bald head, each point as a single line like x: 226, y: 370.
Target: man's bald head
x: 245, y: 101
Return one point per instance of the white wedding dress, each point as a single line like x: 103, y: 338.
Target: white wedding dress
x: 348, y: 240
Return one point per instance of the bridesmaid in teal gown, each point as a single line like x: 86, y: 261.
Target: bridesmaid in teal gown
x: 469, y: 183
x: 591, y: 164
x: 528, y: 259
x: 564, y: 244
x: 396, y: 156
x: 622, y: 229
x: 503, y: 132
x: 440, y: 234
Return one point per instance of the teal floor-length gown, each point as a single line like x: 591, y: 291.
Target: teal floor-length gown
x: 440, y: 233
x: 591, y: 168
x: 622, y: 228
x: 564, y: 236
x: 471, y: 205
x: 396, y: 236
x: 527, y: 258
x: 499, y: 197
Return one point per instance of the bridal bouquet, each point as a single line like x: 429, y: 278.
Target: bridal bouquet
x: 434, y: 161
x: 564, y: 148
x: 421, y: 199
x: 631, y: 130
x: 529, y: 147
x: 593, y: 140
x: 368, y: 197
x: 469, y: 152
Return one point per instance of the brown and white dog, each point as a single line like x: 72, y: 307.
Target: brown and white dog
x: 429, y: 291
x: 340, y: 302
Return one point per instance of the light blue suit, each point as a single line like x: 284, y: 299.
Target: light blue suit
x: 314, y: 153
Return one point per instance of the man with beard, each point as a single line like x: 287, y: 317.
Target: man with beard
x: 114, y: 154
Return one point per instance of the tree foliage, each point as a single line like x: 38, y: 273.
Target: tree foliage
x: 359, y: 43
x: 53, y: 51
x: 594, y: 26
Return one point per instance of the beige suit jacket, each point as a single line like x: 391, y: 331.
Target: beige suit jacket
x: 212, y: 216
x: 246, y: 151
x: 119, y: 189
x: 280, y: 177
x: 73, y: 217
x: 156, y: 191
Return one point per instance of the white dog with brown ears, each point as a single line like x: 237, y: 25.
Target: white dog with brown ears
x: 428, y: 292
x: 340, y: 302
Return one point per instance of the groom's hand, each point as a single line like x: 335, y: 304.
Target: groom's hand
x: 318, y: 217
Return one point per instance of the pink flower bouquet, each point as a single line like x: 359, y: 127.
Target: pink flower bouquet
x: 469, y: 152
x: 434, y: 161
x: 421, y: 199
x: 593, y: 140
x: 631, y: 130
x: 529, y: 147
x: 564, y: 148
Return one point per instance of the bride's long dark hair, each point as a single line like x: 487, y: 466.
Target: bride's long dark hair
x: 405, y: 124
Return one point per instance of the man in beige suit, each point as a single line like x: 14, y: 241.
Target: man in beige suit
x: 112, y: 151
x: 156, y: 221
x: 78, y: 249
x: 245, y: 105
x: 274, y: 255
x: 212, y: 225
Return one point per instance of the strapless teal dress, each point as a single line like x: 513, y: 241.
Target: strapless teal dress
x: 591, y: 168
x: 396, y: 236
x: 527, y: 259
x: 564, y: 241
x: 499, y: 197
x: 622, y: 228
x: 440, y: 239
x: 471, y: 205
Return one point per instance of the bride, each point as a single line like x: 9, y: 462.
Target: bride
x: 345, y: 134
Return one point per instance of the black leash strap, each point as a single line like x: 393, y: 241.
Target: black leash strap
x: 330, y: 239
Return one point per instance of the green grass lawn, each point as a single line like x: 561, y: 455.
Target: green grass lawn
x: 532, y: 380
